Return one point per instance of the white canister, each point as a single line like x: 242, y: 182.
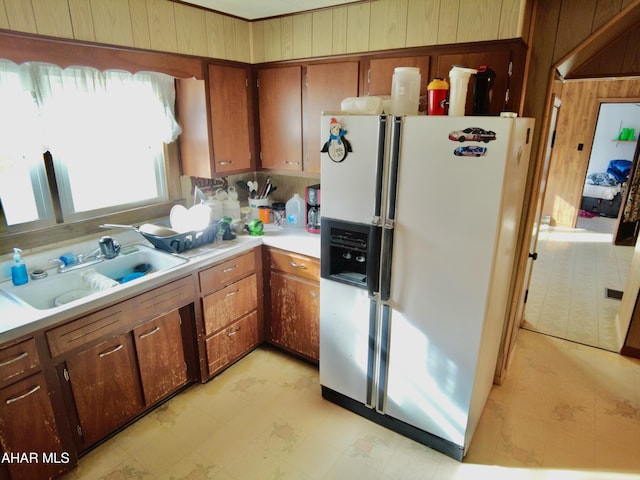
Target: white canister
x: 254, y: 203
x: 405, y: 91
x: 231, y: 208
x: 216, y: 208
x: 458, y: 86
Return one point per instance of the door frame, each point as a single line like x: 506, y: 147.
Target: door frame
x: 529, y: 229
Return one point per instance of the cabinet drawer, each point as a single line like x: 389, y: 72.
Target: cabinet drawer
x: 223, y: 274
x: 229, y: 344
x: 295, y: 264
x: 164, y: 299
x: 226, y: 305
x: 118, y: 317
x: 86, y: 329
x: 18, y: 358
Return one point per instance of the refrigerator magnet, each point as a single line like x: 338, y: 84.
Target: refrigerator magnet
x: 337, y: 146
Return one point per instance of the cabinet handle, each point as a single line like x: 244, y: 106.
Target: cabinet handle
x: 297, y: 265
x: 231, y: 334
x: 14, y: 359
x: 290, y: 163
x: 148, y: 334
x: 109, y: 352
x: 313, y: 293
x: 20, y: 397
x: 229, y: 269
x: 223, y: 162
x: 231, y: 294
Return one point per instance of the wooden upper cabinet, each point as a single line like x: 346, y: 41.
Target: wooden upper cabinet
x: 191, y: 106
x: 381, y: 73
x: 215, y: 135
x: 229, y: 105
x: 326, y: 86
x: 499, y: 61
x: 280, y: 113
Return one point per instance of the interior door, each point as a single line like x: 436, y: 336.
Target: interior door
x: 518, y: 304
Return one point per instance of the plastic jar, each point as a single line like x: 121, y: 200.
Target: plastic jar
x: 405, y: 91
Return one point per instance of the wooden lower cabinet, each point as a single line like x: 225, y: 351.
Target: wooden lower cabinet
x: 295, y: 314
x: 161, y: 356
x: 232, y: 342
x: 294, y: 303
x: 106, y: 388
x: 29, y: 433
x: 231, y: 311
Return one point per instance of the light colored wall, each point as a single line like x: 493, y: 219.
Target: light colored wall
x: 159, y: 25
x: 387, y: 24
x: 168, y: 26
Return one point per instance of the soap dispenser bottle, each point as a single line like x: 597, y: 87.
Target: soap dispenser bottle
x: 19, y: 274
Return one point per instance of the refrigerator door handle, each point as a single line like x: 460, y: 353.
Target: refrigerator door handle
x: 383, y: 369
x: 373, y: 260
x: 372, y: 353
x: 394, y: 163
x: 389, y: 224
x: 385, y: 269
x: 382, y: 132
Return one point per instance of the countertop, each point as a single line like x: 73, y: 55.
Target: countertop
x: 17, y: 319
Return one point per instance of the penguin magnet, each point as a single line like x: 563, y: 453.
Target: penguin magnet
x: 337, y: 146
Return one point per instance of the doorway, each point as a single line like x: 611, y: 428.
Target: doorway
x: 577, y: 284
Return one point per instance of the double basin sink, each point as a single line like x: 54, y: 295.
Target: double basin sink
x: 62, y: 288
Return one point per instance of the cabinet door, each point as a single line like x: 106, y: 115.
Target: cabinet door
x: 161, y: 356
x: 381, y: 73
x: 105, y: 385
x: 28, y: 427
x: 295, y: 314
x: 228, y: 103
x: 231, y: 343
x: 280, y: 113
x: 191, y: 107
x: 326, y: 86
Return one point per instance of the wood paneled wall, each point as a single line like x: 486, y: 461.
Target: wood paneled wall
x: 387, y: 24
x: 576, y: 125
x: 159, y: 25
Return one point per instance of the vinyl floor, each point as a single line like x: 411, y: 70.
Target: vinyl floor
x: 565, y: 411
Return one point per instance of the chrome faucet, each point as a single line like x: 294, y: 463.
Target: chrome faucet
x: 83, y: 260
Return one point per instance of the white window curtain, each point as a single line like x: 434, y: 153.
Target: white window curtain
x: 104, y: 129
x: 23, y: 186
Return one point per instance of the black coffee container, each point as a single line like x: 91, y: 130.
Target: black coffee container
x: 483, y: 90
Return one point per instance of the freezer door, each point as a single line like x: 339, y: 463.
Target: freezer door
x: 347, y: 331
x: 352, y: 184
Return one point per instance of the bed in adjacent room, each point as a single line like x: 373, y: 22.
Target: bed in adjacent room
x: 602, y: 194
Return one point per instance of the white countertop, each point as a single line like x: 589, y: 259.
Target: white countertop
x: 18, y: 319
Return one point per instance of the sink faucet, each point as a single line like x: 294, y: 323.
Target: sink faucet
x: 83, y: 260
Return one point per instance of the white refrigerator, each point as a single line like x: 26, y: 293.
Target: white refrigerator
x: 420, y: 217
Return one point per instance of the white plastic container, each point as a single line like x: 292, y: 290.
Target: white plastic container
x: 458, y: 86
x: 368, y: 105
x: 295, y: 211
x: 405, y: 91
x: 231, y: 208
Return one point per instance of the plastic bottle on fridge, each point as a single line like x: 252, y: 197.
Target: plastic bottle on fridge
x: 295, y: 211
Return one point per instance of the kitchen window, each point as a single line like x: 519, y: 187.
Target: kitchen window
x: 78, y: 143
